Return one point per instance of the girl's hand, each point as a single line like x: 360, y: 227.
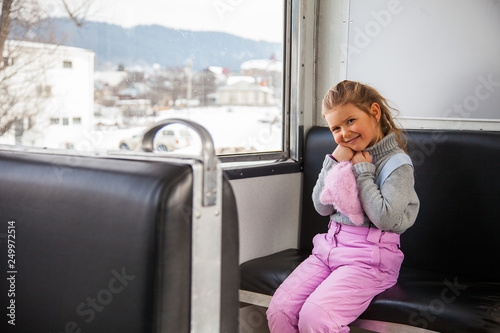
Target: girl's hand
x: 343, y: 153
x: 361, y: 156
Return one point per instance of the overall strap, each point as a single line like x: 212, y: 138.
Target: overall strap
x: 392, y: 164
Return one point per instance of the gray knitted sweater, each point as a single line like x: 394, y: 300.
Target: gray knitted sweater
x: 393, y: 207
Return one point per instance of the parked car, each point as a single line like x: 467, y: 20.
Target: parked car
x: 168, y: 139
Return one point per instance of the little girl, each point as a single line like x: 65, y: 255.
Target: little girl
x: 359, y: 257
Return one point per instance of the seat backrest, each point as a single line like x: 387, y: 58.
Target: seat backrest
x: 98, y: 241
x: 319, y: 143
x: 456, y: 179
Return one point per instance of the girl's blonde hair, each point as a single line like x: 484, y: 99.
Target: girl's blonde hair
x: 363, y: 96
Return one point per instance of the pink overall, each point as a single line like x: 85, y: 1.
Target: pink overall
x: 348, y: 267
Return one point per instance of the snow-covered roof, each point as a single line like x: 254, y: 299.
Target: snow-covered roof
x: 133, y: 102
x: 217, y: 69
x: 112, y: 78
x: 245, y: 86
x: 263, y: 64
x: 35, y: 45
x: 239, y: 78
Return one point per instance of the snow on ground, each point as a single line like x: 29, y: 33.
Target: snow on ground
x: 233, y: 129
x: 248, y: 128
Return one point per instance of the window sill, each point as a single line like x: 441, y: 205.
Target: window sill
x: 240, y: 170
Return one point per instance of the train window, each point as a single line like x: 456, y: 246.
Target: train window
x: 219, y: 63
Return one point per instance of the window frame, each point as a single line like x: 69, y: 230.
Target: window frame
x: 300, y: 61
x: 288, y: 125
x: 67, y: 64
x: 291, y: 122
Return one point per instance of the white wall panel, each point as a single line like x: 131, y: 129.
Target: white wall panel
x: 268, y: 213
x: 431, y: 58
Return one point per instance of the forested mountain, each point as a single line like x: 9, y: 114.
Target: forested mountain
x: 153, y: 44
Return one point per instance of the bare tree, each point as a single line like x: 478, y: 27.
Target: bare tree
x: 22, y: 87
x: 4, y: 27
x: 78, y: 11
x: 17, y: 19
x: 204, y: 85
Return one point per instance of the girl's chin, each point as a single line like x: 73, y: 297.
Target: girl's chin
x: 358, y: 148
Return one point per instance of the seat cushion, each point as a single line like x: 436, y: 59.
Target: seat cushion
x: 423, y: 299
x: 264, y: 275
x: 438, y: 302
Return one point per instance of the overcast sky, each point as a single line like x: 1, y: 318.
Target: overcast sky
x: 255, y: 19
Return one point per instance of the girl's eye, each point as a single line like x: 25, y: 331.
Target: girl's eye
x: 350, y: 121
x: 335, y: 129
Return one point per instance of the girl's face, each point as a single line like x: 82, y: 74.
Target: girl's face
x: 353, y: 128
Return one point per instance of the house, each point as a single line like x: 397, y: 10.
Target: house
x: 52, y: 87
x: 244, y: 90
x: 260, y: 84
x: 268, y: 72
x: 135, y: 108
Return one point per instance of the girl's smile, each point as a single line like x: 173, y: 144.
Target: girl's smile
x: 354, y: 128
x: 351, y: 141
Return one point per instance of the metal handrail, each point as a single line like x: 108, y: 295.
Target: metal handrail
x: 208, y: 156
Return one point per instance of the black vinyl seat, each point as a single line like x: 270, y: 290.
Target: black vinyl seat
x: 450, y: 279
x: 104, y: 244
